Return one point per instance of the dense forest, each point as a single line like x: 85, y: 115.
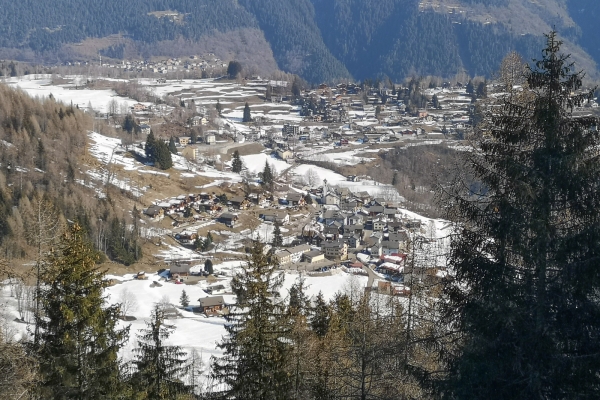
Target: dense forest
x: 41, y: 180
x: 320, y: 40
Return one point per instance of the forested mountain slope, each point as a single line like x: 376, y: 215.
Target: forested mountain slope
x: 320, y: 40
x: 43, y: 179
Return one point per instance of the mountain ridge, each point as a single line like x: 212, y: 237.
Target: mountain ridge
x: 320, y: 40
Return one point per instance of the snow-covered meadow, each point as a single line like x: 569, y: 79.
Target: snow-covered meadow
x: 69, y: 93
x: 191, y: 331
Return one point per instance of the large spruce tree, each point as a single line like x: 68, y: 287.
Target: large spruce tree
x: 158, y: 152
x: 247, y: 115
x: 277, y: 236
x: 160, y: 368
x: 172, y: 147
x: 162, y: 155
x: 79, y: 338
x: 255, y: 349
x: 236, y: 163
x: 267, y: 177
x: 525, y: 298
x: 150, y: 147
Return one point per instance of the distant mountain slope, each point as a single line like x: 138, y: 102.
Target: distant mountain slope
x: 321, y: 40
x: 295, y: 38
x: 586, y: 15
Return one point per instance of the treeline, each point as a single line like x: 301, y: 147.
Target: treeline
x: 357, y: 346
x: 42, y: 144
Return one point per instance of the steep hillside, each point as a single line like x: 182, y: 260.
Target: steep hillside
x: 321, y: 40
x: 439, y: 37
x: 290, y: 27
x: 586, y: 14
x: 46, y: 175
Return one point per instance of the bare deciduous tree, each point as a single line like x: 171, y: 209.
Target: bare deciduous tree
x: 128, y: 303
x: 311, y: 177
x: 512, y: 70
x: 43, y: 228
x: 17, y: 371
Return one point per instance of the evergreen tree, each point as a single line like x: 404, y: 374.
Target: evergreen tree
x: 326, y: 344
x: 308, y: 199
x: 193, y: 136
x: 321, y: 317
x: 470, y: 89
x: 129, y: 124
x: 219, y: 107
x: 162, y: 155
x: 247, y: 116
x: 253, y: 365
x: 208, y: 266
x: 435, y: 101
x: 150, y: 147
x: 524, y: 299
x: 298, y: 364
x: 296, y: 93
x: 277, y: 236
x: 482, y: 90
x: 267, y: 177
x: 79, y: 338
x: 199, y: 244
x: 160, y: 368
x: 184, y: 300
x: 40, y: 161
x: 234, y: 69
x: 122, y: 243
x: 236, y: 163
x: 172, y: 147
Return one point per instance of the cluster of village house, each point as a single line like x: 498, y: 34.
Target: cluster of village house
x: 342, y: 110
x: 207, y: 62
x: 346, y: 223
x: 378, y: 110
x: 343, y: 116
x: 339, y: 114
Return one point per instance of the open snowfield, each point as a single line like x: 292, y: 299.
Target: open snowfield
x: 344, y: 158
x: 255, y: 163
x: 109, y: 150
x: 374, y: 188
x: 41, y: 86
x: 189, y: 88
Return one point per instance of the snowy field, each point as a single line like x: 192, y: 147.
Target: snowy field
x: 41, y: 86
x: 192, y: 332
x: 301, y: 174
x: 109, y: 151
x: 255, y: 163
x: 343, y: 158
